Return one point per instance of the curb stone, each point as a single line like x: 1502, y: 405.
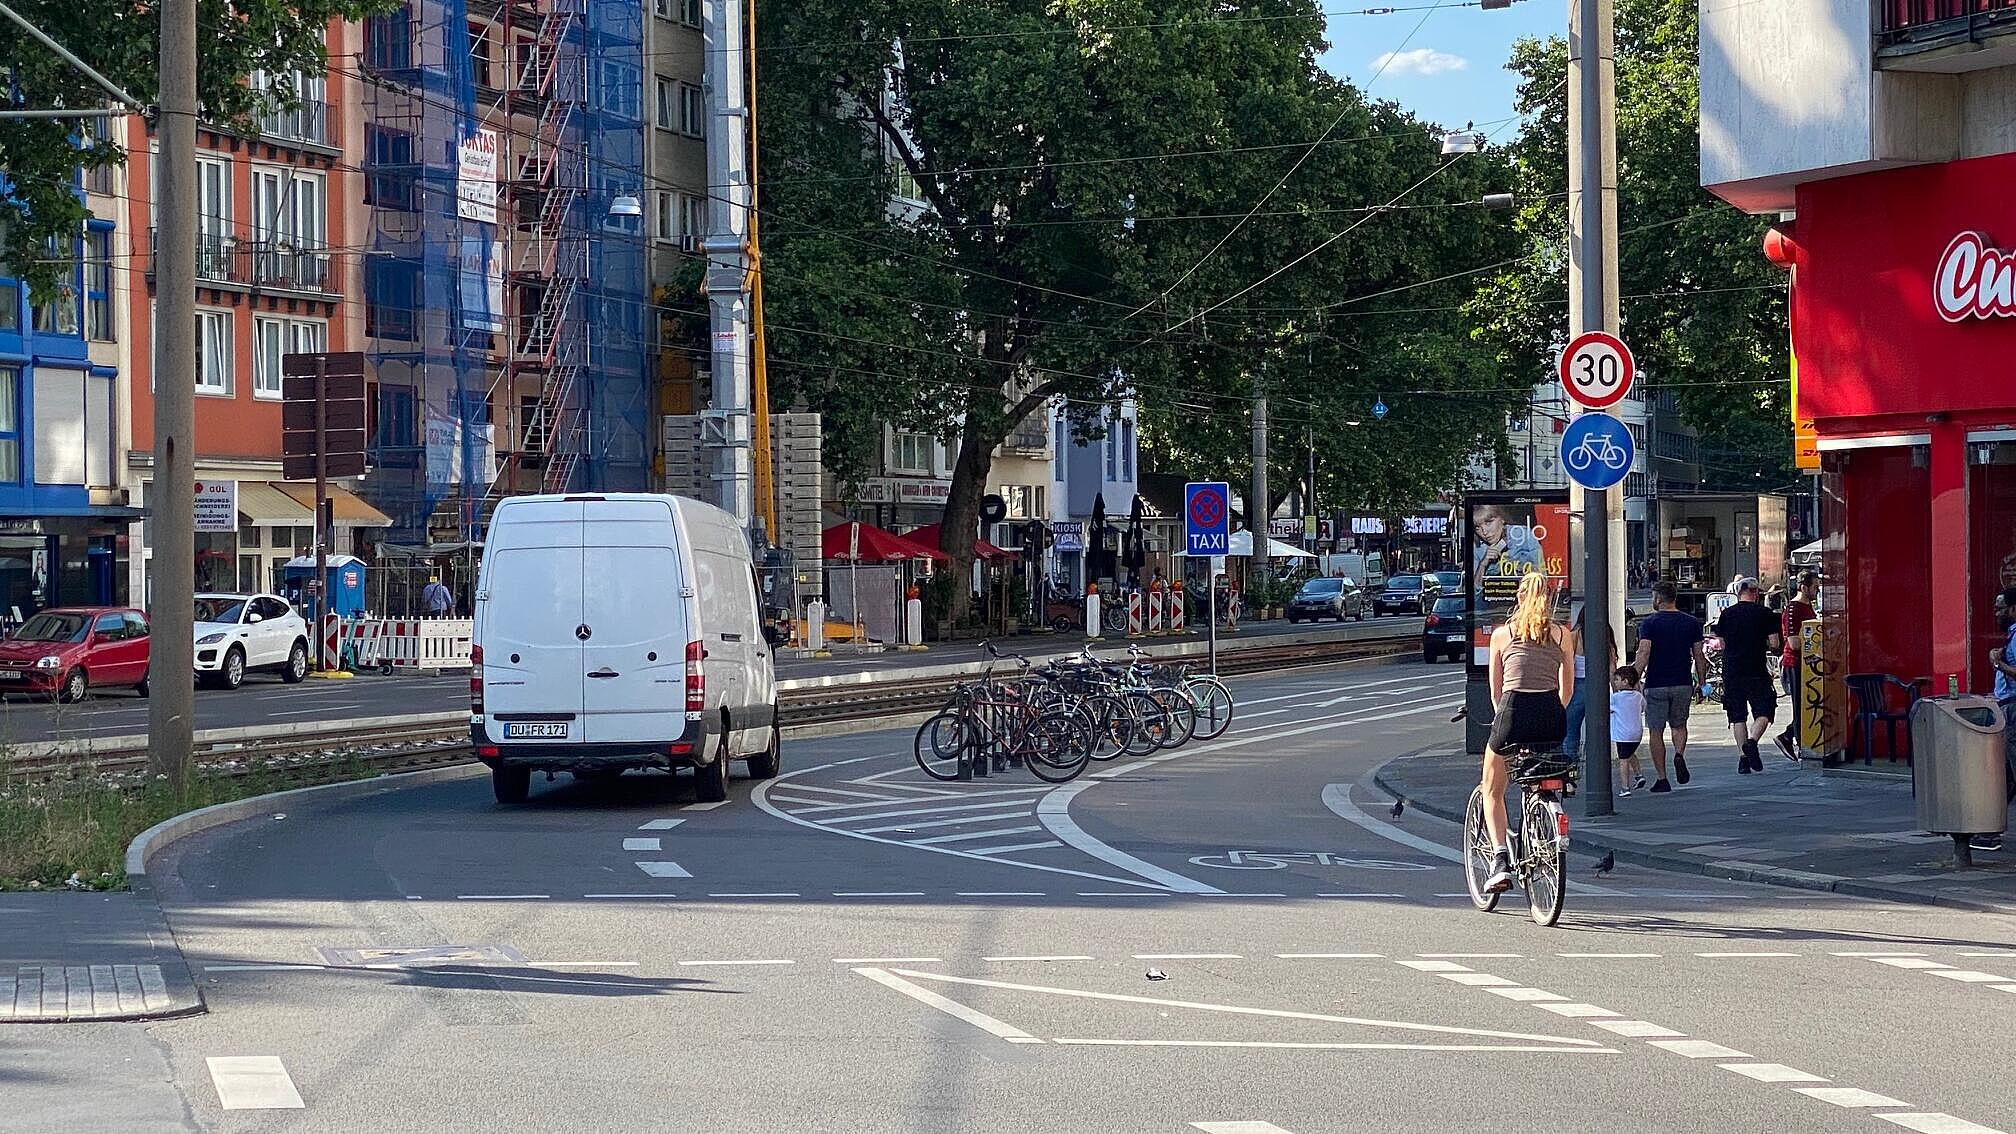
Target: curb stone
x: 1733, y: 870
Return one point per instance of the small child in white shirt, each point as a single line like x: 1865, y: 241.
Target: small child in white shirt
x: 1627, y: 727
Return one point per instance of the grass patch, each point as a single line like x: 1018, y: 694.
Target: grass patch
x: 71, y: 831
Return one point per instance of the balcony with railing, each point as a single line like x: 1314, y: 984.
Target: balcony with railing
x: 308, y: 122
x: 247, y: 264
x: 1947, y: 35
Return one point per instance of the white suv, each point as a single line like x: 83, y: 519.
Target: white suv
x: 238, y: 633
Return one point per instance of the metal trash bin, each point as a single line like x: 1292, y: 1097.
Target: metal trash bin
x: 1958, y: 771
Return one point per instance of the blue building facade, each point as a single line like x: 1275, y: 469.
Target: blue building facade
x: 64, y: 520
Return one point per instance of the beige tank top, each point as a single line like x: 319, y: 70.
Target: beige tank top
x: 1531, y: 666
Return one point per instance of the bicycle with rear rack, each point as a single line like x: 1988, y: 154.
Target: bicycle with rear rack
x: 1210, y: 702
x: 995, y: 724
x: 1536, y: 836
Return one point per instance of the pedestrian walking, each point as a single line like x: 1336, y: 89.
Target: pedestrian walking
x: 1578, y: 707
x: 1798, y: 611
x: 1627, y: 727
x: 1749, y: 634
x: 1672, y: 664
x: 437, y: 598
x: 1532, y: 682
x: 2003, y: 660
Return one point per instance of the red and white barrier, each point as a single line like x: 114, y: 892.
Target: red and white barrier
x: 1155, y: 608
x: 1176, y: 610
x: 1133, y: 614
x: 422, y: 643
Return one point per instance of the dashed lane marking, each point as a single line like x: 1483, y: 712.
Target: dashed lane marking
x: 253, y: 1082
x: 886, y: 960
x: 661, y: 824
x: 998, y: 894
x: 1039, y: 957
x: 1638, y: 1029
x: 501, y: 897
x: 1374, y: 895
x: 1733, y: 956
x: 704, y: 806
x: 1937, y: 1122
x: 1328, y: 956
x: 1188, y: 957
x: 1849, y: 1096
x: 1239, y: 1128
x: 742, y: 961
x: 645, y: 897
x: 1772, y: 1073
x: 775, y: 894
x: 642, y: 844
x: 662, y: 869
x: 1698, y: 1049
x: 878, y: 893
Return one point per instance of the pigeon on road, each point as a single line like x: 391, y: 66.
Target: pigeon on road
x: 1399, y: 805
x: 1608, y: 863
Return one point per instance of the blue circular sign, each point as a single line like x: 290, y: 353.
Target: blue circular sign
x: 1597, y: 451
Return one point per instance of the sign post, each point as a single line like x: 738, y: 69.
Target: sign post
x: 322, y: 435
x: 1207, y: 531
x: 1596, y: 450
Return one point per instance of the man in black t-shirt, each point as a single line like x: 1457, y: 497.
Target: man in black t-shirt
x: 1669, y: 655
x: 1749, y: 634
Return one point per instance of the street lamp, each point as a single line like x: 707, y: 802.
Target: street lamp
x: 1458, y: 142
x: 626, y: 206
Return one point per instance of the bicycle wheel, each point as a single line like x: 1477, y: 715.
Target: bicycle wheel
x: 1213, y: 705
x: 1110, y: 723
x: 1182, y: 717
x: 1057, y: 748
x: 1477, y: 853
x: 1151, y: 722
x: 940, y: 741
x: 1546, y: 863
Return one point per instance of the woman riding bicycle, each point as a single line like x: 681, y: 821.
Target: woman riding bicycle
x: 1532, y: 681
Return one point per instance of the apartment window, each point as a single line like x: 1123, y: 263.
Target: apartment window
x: 397, y: 424
x: 665, y: 101
x: 307, y: 336
x: 1113, y: 450
x: 98, y: 285
x: 662, y: 9
x: 248, y: 535
x: 479, y: 56
x: 666, y: 227
x: 692, y: 111
x: 1126, y: 450
x: 289, y: 225
x: 910, y: 452
x: 59, y: 315
x: 388, y: 148
x: 622, y: 89
x: 213, y: 218
x: 269, y: 343
x: 10, y: 307
x: 692, y: 220
x: 213, y: 352
x: 10, y: 424
x: 689, y: 12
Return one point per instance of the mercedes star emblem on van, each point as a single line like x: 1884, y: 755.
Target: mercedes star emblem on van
x: 1975, y: 280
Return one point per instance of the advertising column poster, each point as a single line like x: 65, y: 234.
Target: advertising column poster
x: 1506, y: 535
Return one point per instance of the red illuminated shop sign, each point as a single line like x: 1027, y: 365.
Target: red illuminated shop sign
x: 1975, y: 280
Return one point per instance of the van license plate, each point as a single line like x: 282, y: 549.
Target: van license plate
x: 536, y: 730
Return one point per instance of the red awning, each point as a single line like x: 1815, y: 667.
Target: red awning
x: 928, y: 536
x: 874, y: 544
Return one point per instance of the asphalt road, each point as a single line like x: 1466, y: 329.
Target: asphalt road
x: 852, y: 947
x: 265, y: 700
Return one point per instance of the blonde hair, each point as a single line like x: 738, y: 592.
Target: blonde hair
x: 1532, y: 620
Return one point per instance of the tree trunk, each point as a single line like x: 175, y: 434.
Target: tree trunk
x: 962, y: 512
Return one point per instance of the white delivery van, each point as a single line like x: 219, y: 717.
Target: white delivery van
x: 619, y: 631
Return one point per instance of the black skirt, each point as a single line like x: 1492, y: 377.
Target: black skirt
x: 1529, y: 720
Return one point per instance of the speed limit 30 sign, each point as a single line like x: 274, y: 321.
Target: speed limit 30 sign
x: 1597, y: 370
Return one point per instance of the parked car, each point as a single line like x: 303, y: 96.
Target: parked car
x: 1321, y: 598
x: 620, y: 631
x: 1405, y: 594
x: 65, y: 652
x: 237, y: 634
x: 1448, y: 582
x: 1446, y: 630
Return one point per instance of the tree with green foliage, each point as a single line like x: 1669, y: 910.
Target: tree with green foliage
x: 40, y: 158
x: 972, y: 212
x: 1703, y: 310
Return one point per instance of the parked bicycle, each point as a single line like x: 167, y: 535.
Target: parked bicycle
x: 1538, y: 841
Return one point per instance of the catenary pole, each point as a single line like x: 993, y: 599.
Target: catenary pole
x: 1592, y: 293
x: 726, y: 425
x: 171, y: 498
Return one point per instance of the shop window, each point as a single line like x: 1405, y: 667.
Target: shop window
x: 1888, y: 534
x: 10, y: 425
x: 1991, y: 530
x: 248, y: 535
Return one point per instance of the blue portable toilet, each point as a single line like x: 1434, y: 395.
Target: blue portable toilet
x: 345, y: 584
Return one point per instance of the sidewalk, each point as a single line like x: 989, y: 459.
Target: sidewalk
x: 1792, y: 826
x: 86, y: 956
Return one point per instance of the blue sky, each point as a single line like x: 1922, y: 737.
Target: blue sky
x: 1452, y: 70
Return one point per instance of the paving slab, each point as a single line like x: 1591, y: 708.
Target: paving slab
x: 68, y: 957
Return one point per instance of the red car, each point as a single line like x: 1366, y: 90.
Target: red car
x: 67, y: 651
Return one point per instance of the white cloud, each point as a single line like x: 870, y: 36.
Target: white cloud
x: 1423, y: 61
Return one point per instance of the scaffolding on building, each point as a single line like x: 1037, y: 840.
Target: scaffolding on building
x: 505, y: 283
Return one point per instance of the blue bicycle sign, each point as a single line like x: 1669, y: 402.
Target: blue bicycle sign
x: 1597, y: 450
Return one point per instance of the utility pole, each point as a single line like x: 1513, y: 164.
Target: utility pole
x: 171, y: 498
x: 1309, y: 497
x: 725, y: 426
x: 1592, y: 306
x: 1256, y: 507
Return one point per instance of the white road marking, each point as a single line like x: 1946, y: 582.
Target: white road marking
x: 1968, y: 976
x: 1238, y: 1127
x: 499, y: 897
x: 1910, y: 963
x: 1849, y: 1096
x: 262, y: 968
x: 1061, y: 957
x: 662, y: 869
x: 1281, y: 1044
x: 646, y: 896
x: 1479, y: 980
x: 1638, y: 1029
x: 1434, y: 966
x: 1053, y: 811
x: 1991, y: 953
x: 1337, y: 797
x: 707, y: 806
x: 1772, y: 1073
x: 1527, y: 995
x: 253, y: 1082
x: 960, y: 821
x: 776, y: 894
x: 906, y: 812
x: 642, y: 845
x: 878, y: 893
x: 1329, y: 956
x: 1886, y: 953
x: 998, y: 894
x: 1381, y: 895
x: 841, y: 791
x: 1729, y: 956
x: 1188, y: 957
x: 1611, y: 956
x: 1699, y: 1049
x: 1936, y: 1122
x: 583, y: 964
x: 1576, y: 1010
x: 1327, y: 692
x: 971, y: 835
x: 1466, y: 956
x: 1125, y: 893
x: 661, y: 824
x: 2003, y: 987
x: 886, y: 960
x: 1272, y: 1013
x: 748, y: 961
x: 952, y: 1008
x: 1044, y: 845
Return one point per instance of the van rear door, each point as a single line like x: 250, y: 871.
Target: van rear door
x: 633, y: 659
x: 528, y: 620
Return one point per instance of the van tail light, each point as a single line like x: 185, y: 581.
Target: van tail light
x: 1434, y: 620
x: 696, y: 679
x: 476, y: 680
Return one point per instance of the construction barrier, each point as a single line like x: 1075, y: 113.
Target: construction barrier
x: 1133, y: 614
x: 391, y: 644
x: 1155, y: 606
x: 1176, y: 610
x: 1092, y: 613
